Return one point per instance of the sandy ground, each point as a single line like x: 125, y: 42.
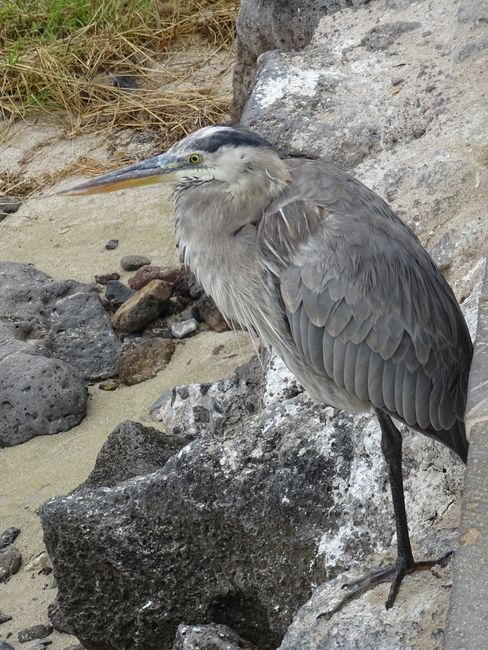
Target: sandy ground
x: 65, y: 237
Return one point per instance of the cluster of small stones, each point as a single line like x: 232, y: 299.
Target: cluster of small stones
x: 157, y: 308
x: 10, y: 562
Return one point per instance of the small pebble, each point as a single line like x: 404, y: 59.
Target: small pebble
x: 109, y: 385
x: 183, y: 328
x: 106, y: 278
x: 10, y: 561
x: 41, y: 561
x: 6, y: 646
x: 112, y: 244
x: 35, y: 632
x: 144, y: 306
x: 4, y: 618
x: 134, y: 262
x: 40, y: 645
x: 8, y: 536
x: 8, y: 205
x: 117, y: 293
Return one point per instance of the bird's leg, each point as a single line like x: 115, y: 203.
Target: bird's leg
x: 391, y: 445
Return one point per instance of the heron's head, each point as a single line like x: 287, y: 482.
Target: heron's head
x: 225, y: 154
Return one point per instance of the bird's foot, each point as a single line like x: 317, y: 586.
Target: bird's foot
x: 393, y: 573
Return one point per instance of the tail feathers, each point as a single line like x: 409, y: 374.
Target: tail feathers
x: 454, y: 438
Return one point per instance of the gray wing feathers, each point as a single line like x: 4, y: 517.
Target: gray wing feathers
x: 365, y: 304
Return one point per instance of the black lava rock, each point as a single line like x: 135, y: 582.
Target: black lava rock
x: 34, y: 632
x: 9, y: 536
x: 117, y: 293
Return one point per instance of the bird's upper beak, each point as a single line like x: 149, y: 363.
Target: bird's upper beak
x: 147, y: 172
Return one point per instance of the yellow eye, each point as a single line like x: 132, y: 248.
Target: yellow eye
x: 195, y: 158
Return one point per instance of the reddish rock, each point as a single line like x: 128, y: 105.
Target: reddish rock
x: 145, y: 305
x: 142, y: 360
x: 148, y: 272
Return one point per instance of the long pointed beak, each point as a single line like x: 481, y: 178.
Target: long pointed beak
x: 147, y: 172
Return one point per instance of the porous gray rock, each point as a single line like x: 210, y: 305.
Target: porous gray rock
x: 53, y: 337
x: 132, y: 450
x: 40, y: 395
x: 209, y: 637
x: 239, y: 524
x: 66, y: 319
x: 274, y: 25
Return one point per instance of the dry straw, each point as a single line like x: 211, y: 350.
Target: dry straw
x: 114, y: 64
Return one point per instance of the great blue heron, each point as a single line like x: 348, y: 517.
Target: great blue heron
x: 321, y: 268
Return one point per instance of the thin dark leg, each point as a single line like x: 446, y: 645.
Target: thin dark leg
x: 391, y: 445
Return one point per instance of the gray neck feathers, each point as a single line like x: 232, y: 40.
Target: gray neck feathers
x: 216, y: 232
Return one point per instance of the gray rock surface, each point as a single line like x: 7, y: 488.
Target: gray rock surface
x: 209, y: 637
x: 53, y: 337
x: 366, y: 623
x: 6, y: 646
x: 40, y: 396
x: 65, y: 320
x: 132, y: 450
x: 410, y: 120
x: 274, y: 25
x: 382, y: 36
x: 240, y: 524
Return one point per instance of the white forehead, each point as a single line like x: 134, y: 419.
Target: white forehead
x: 193, y: 139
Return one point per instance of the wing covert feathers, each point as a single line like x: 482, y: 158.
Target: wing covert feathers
x: 366, y: 306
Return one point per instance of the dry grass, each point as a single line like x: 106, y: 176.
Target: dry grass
x: 117, y: 63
